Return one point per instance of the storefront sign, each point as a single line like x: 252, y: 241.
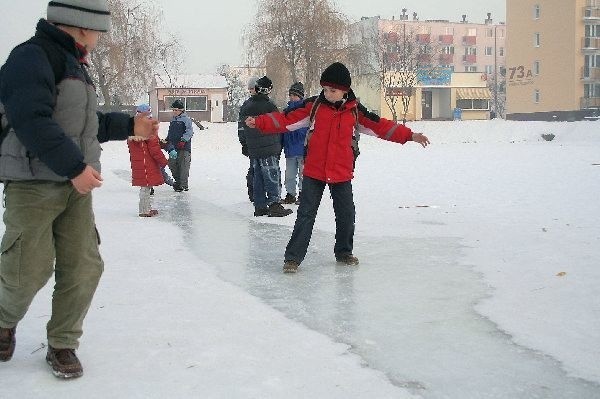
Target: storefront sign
x: 434, y: 77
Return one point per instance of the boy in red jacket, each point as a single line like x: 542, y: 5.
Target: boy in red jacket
x: 330, y: 158
x: 147, y: 163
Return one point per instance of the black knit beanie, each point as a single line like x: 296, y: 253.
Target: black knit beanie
x: 264, y: 85
x: 337, y: 76
x: 297, y: 89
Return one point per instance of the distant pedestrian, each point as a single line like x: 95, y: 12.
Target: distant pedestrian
x: 145, y: 108
x: 179, y: 146
x: 264, y: 152
x: 147, y: 162
x: 242, y: 138
x: 293, y: 147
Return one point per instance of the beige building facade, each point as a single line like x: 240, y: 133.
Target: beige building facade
x: 553, y: 59
x: 461, y: 95
x: 468, y: 56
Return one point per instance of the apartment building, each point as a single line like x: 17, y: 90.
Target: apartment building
x: 459, y: 47
x: 553, y: 59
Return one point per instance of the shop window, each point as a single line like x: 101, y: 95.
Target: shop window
x: 198, y: 103
x: 474, y: 104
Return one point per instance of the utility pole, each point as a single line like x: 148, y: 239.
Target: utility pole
x: 495, y: 71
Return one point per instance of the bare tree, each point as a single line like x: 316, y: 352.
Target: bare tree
x: 399, y: 57
x: 297, y: 39
x: 497, y: 85
x: 236, y: 91
x: 126, y: 58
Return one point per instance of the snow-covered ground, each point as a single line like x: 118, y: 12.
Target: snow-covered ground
x: 479, y: 278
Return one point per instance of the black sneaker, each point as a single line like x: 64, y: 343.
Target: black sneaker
x: 64, y: 362
x: 177, y: 188
x: 289, y: 199
x: 261, y: 212
x: 290, y: 266
x: 347, y: 259
x: 185, y: 188
x: 7, y: 343
x: 278, y: 211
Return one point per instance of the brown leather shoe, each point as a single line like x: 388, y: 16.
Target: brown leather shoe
x: 347, y: 259
x: 64, y: 363
x: 7, y: 343
x: 290, y: 266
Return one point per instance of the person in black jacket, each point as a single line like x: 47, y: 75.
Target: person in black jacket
x: 264, y: 152
x: 242, y: 138
x: 49, y: 164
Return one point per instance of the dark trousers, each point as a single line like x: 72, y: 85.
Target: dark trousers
x: 310, y: 199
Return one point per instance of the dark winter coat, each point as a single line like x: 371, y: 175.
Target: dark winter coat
x: 329, y: 155
x: 259, y: 145
x: 293, y: 142
x: 180, y: 130
x: 56, y: 129
x: 146, y: 159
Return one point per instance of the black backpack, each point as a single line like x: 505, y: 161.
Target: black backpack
x: 56, y: 58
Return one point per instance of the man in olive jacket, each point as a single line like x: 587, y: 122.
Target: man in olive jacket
x: 49, y: 164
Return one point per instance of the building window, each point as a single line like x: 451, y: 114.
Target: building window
x: 192, y: 103
x: 489, y: 51
x: 489, y: 69
x: 489, y: 33
x: 536, y: 68
x: 472, y: 32
x: 591, y: 90
x: 198, y: 103
x: 536, y: 96
x: 168, y: 101
x: 470, y: 50
x: 500, y: 32
x: 447, y: 50
x: 448, y: 30
x: 501, y: 51
x: 536, y: 39
x: 536, y: 11
x: 471, y: 68
x: 473, y: 104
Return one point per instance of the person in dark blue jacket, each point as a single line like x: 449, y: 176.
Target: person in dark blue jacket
x: 179, y: 146
x: 49, y: 164
x: 293, y: 147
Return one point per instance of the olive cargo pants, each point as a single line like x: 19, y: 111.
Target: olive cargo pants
x: 50, y: 228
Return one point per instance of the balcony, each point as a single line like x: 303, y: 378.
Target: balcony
x: 590, y: 102
x: 470, y: 59
x: 590, y: 73
x: 469, y: 40
x: 446, y: 39
x: 446, y: 59
x: 590, y: 43
x: 423, y: 38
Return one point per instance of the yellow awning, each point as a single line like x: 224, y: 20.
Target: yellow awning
x: 473, y: 93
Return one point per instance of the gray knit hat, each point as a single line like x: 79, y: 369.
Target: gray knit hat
x: 252, y: 82
x: 87, y: 14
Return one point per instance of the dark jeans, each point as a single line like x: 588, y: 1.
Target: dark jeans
x: 310, y: 199
x: 267, y: 181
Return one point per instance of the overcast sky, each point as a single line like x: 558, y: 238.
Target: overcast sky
x: 211, y: 30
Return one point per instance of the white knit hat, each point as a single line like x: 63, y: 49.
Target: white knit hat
x: 87, y: 14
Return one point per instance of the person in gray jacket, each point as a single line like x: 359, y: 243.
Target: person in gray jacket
x: 49, y: 164
x: 264, y: 152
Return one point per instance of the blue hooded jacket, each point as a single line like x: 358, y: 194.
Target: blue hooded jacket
x: 293, y: 142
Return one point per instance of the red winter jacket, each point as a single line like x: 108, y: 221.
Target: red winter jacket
x: 146, y: 160
x: 329, y: 156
